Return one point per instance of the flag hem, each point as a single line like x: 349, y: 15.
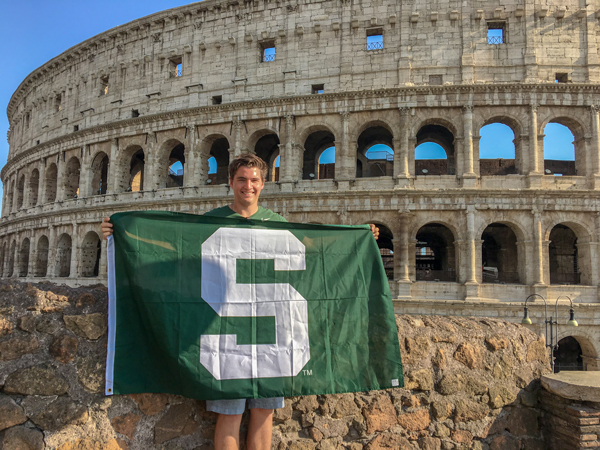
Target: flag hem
x: 112, y: 316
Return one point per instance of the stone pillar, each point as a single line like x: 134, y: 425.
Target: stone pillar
x: 402, y: 256
x: 113, y: 169
x: 26, y: 189
x: 60, y: 178
x: 472, y: 286
x: 402, y: 150
x: 287, y: 158
x: 17, y: 263
x: 191, y: 176
x: 32, y: 256
x: 42, y: 184
x: 237, y: 136
x: 51, y: 269
x: 102, y: 265
x: 535, y: 165
x: 85, y: 174
x: 468, y: 175
x: 151, y: 160
x: 345, y: 166
x: 75, y: 252
x: 538, y: 260
x: 15, y: 192
x: 595, y: 146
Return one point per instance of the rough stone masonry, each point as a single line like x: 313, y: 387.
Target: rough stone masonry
x: 471, y: 383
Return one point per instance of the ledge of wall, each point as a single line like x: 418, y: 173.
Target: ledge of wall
x: 471, y: 383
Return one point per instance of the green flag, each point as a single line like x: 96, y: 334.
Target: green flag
x: 216, y: 308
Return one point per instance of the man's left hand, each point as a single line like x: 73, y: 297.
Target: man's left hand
x: 374, y: 230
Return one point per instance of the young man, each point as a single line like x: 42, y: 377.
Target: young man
x: 247, y: 178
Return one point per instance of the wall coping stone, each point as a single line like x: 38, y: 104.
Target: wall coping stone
x: 583, y: 386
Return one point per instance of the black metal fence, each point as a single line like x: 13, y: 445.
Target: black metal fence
x: 375, y: 45
x: 495, y: 40
x: 436, y: 275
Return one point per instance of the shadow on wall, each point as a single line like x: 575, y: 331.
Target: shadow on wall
x: 470, y: 383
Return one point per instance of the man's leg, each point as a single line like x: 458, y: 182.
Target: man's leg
x: 227, y: 432
x: 260, y: 429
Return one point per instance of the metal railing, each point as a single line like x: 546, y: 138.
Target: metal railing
x: 436, y: 275
x: 495, y: 40
x: 375, y: 45
x: 565, y: 278
x: 381, y: 155
x: 269, y: 58
x: 500, y: 277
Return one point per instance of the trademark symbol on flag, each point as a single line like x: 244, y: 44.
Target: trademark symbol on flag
x: 307, y: 372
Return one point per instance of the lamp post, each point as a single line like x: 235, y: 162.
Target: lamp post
x: 551, y: 323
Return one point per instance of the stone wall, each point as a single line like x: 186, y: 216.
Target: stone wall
x: 470, y: 384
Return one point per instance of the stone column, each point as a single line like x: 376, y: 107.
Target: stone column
x: 42, y: 184
x: 345, y: 166
x: 468, y: 175
x: 538, y: 260
x: 51, y: 268
x: 237, y: 136
x: 287, y: 158
x: 60, y: 178
x: 75, y: 252
x: 595, y: 146
x: 535, y: 165
x: 471, y: 285
x: 17, y: 263
x: 102, y: 266
x: 32, y: 256
x: 191, y: 177
x: 595, y: 256
x: 112, y: 167
x: 402, y: 256
x: 402, y: 150
x: 15, y: 193
x: 85, y: 174
x: 151, y: 175
x: 26, y: 189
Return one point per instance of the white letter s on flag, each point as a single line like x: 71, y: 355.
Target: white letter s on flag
x: 220, y: 354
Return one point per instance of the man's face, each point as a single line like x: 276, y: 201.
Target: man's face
x: 247, y: 184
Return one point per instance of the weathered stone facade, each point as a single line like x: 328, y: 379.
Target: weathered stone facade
x: 99, y: 128
x: 470, y: 383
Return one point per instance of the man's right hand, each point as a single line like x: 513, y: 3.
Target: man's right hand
x: 107, y: 228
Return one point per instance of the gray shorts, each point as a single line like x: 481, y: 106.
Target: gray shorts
x: 237, y: 406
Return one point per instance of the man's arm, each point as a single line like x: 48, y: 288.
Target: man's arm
x: 107, y: 228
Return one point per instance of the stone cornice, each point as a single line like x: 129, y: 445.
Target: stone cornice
x: 285, y: 105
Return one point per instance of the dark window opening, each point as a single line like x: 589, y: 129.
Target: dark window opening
x: 375, y: 39
x: 135, y: 113
x: 217, y: 100
x: 58, y: 103
x: 496, y: 33
x: 267, y: 53
x: 568, y: 355
x: 436, y: 80
x: 37, y: 142
x: 104, y: 85
x: 75, y: 128
x: 175, y: 67
x: 318, y: 88
x: 562, y: 78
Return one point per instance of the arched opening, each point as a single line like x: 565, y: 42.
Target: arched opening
x: 435, y: 255
x: 136, y: 172
x: 429, y: 160
x: 24, y: 258
x: 275, y: 168
x: 72, y: 178
x: 63, y: 255
x: 559, y: 150
x: 176, y: 166
x: 219, y: 153
x: 568, y: 355
x: 34, y: 185
x: 51, y: 183
x: 315, y: 164
x: 267, y: 148
x: 497, y: 150
x: 41, y: 263
x: 11, y: 259
x: 563, y: 257
x: 20, y: 191
x: 90, y: 255
x: 374, y: 153
x: 386, y: 249
x: 100, y: 174
x: 499, y: 257
x: 326, y: 164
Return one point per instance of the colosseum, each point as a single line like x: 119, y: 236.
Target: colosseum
x: 147, y: 116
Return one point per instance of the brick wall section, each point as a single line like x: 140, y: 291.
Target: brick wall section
x: 569, y: 423
x: 471, y: 383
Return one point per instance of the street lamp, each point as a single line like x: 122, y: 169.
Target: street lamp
x: 551, y: 323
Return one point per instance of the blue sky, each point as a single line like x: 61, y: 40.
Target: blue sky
x: 35, y: 31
